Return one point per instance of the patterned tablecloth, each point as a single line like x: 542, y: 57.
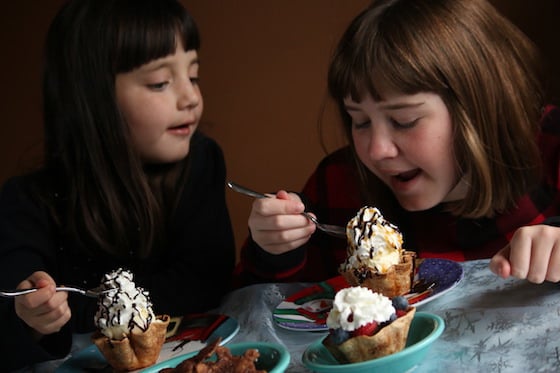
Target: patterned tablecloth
x: 492, y: 325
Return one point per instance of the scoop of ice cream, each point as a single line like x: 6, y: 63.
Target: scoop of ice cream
x: 357, y: 306
x: 124, y: 310
x: 372, y: 242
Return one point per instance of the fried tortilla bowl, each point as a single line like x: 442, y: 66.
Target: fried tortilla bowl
x: 138, y: 350
x: 424, y: 330
x: 397, y: 281
x: 387, y: 341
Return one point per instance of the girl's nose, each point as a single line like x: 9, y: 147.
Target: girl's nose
x: 189, y: 96
x: 382, y: 144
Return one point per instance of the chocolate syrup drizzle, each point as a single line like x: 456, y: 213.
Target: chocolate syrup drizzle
x: 365, y: 227
x: 116, y: 318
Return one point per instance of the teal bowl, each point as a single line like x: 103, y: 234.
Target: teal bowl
x: 424, y: 330
x: 273, y: 358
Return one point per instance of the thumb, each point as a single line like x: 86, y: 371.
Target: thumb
x: 40, y: 279
x: 294, y: 206
x: 282, y: 194
x: 499, y: 264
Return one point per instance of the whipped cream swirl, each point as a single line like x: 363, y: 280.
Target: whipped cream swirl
x: 372, y: 242
x: 125, y: 309
x: 357, y: 306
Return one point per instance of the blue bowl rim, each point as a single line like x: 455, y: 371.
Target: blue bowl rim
x: 284, y: 355
x: 281, y: 365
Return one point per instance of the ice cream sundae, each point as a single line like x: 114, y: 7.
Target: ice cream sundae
x: 375, y: 256
x: 129, y: 334
x: 364, y: 325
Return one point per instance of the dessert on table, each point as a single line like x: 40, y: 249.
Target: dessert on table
x: 365, y: 325
x: 129, y: 334
x: 375, y: 255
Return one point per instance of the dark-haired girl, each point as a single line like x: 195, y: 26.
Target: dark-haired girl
x: 127, y: 179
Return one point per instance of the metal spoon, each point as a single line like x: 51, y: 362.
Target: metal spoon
x: 92, y: 293
x: 333, y: 230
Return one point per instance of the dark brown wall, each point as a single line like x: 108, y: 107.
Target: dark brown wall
x: 263, y: 67
x: 22, y: 30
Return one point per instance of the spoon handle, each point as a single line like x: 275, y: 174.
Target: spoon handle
x: 246, y: 191
x: 16, y: 292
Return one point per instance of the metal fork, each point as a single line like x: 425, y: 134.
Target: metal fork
x: 333, y: 230
x: 92, y: 293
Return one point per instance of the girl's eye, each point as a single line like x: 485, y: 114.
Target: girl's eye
x: 195, y: 80
x: 403, y: 125
x: 158, y: 86
x: 361, y: 125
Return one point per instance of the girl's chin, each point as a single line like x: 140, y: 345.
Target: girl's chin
x: 176, y: 156
x: 417, y: 203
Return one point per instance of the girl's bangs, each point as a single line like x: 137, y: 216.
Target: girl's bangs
x: 151, y: 33
x: 383, y: 66
x: 376, y: 55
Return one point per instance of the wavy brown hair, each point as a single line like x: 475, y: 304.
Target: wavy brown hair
x: 108, y: 199
x: 486, y: 71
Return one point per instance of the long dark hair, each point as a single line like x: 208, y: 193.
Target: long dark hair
x: 486, y: 71
x: 106, y: 200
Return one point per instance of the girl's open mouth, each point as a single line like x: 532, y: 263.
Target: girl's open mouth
x: 407, y: 176
x: 181, y: 130
x: 179, y: 127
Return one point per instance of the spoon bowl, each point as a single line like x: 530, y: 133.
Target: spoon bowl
x: 333, y: 230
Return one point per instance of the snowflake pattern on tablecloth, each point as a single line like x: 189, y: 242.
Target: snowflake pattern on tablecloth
x: 492, y: 325
x: 497, y: 325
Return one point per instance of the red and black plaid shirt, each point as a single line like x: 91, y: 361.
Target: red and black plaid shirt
x: 333, y: 194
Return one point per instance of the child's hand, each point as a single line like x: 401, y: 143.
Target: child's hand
x: 45, y: 310
x: 277, y: 225
x: 533, y: 254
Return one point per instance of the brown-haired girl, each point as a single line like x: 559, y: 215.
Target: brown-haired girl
x: 442, y: 105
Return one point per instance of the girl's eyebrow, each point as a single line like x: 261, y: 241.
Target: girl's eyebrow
x: 163, y: 64
x: 156, y: 66
x: 388, y: 106
x: 400, y: 105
